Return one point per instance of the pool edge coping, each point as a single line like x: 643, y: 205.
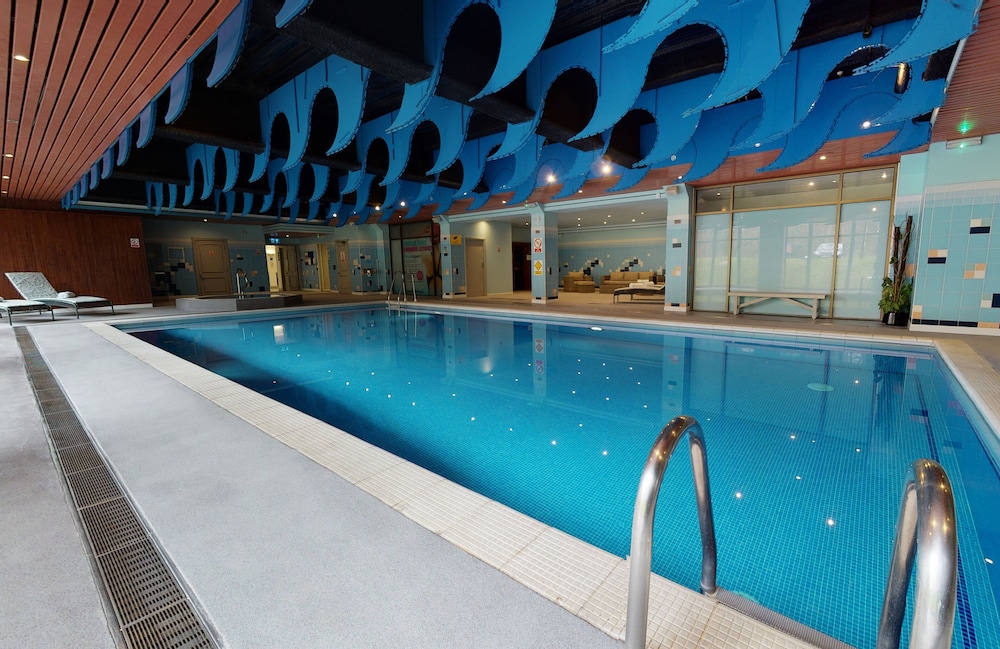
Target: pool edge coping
x: 581, y: 578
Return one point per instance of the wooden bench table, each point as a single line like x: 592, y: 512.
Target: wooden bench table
x: 808, y: 301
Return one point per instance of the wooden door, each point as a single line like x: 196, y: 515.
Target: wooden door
x: 290, y: 267
x: 343, y: 267
x: 211, y: 258
x: 521, y: 265
x: 475, y: 268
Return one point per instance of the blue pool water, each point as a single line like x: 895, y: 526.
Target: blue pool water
x: 808, y: 444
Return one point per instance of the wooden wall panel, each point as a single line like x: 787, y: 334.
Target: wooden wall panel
x: 89, y: 254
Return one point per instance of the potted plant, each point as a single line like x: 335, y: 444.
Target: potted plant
x: 897, y: 289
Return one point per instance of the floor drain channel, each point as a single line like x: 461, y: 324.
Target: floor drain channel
x: 153, y: 610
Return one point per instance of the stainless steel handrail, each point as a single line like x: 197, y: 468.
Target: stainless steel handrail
x: 926, y: 528
x: 642, y: 523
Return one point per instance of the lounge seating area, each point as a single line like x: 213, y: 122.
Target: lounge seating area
x: 621, y: 279
x: 34, y: 286
x: 10, y: 307
x: 577, y: 281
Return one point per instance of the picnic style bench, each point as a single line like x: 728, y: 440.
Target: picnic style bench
x: 808, y: 301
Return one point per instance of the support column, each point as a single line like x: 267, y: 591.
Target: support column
x: 680, y: 249
x: 447, y: 259
x: 544, y: 254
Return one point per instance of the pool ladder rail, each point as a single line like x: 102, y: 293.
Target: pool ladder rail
x: 401, y: 296
x: 925, y: 530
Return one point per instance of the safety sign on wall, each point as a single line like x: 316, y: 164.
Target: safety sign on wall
x: 538, y: 268
x: 537, y: 241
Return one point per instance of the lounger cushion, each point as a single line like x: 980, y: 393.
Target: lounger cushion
x: 66, y: 294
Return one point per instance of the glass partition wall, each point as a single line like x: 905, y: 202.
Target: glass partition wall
x: 823, y: 234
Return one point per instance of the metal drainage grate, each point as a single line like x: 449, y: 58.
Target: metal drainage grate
x: 152, y: 608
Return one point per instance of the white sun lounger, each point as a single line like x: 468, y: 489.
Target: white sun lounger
x: 10, y: 307
x: 34, y: 286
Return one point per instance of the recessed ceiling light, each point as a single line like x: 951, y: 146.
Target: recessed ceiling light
x: 21, y: 57
x: 8, y: 155
x: 822, y: 157
x: 866, y: 124
x: 6, y: 177
x: 402, y: 203
x: 579, y: 191
x: 378, y: 208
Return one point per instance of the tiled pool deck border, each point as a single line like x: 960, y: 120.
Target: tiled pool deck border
x: 581, y: 578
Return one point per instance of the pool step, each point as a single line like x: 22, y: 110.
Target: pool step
x: 778, y: 621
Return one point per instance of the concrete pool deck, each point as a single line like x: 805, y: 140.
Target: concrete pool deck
x: 274, y: 539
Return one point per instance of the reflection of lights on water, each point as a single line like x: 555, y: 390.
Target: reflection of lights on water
x: 553, y: 442
x: 989, y: 561
x: 830, y: 522
x: 739, y: 495
x: 798, y: 477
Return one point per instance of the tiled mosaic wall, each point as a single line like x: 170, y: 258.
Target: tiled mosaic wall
x: 598, y: 252
x: 958, y: 261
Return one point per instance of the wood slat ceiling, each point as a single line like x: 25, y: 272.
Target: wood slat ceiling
x: 974, y: 92
x: 92, y: 67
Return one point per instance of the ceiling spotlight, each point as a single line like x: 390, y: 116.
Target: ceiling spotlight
x: 6, y: 177
x: 8, y: 155
x: 606, y: 168
x: 822, y: 157
x: 551, y: 178
x: 866, y: 124
x: 504, y: 202
x: 21, y: 57
x: 579, y: 191
x: 756, y: 145
x: 402, y: 203
x: 378, y: 208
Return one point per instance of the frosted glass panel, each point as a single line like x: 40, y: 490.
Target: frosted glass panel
x: 861, y: 264
x: 711, y: 262
x: 789, y: 251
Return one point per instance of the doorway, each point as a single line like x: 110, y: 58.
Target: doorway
x: 211, y: 258
x: 288, y: 258
x: 323, y: 266
x: 475, y: 267
x: 343, y: 267
x: 521, y: 265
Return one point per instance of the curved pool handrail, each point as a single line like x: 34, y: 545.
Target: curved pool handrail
x: 640, y: 560
x: 926, y: 528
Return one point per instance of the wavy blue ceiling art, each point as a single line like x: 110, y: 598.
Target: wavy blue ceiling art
x: 367, y: 120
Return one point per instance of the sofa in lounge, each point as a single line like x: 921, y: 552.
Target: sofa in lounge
x: 577, y: 281
x: 622, y: 278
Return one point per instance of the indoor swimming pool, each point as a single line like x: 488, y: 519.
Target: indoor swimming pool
x: 808, y: 441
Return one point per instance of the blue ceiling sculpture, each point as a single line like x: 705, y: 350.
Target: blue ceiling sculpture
x: 333, y: 114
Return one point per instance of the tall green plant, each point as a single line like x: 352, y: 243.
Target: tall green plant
x: 897, y: 289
